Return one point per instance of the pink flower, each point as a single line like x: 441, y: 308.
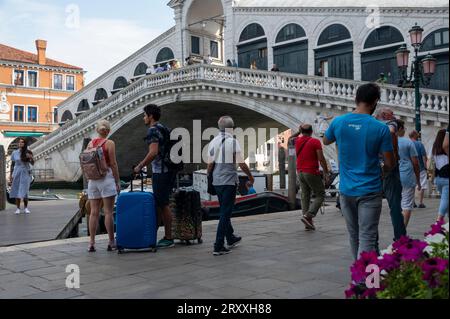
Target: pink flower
x: 433, y: 268
x: 358, y: 269
x: 413, y: 250
x: 389, y: 262
x: 436, y: 228
x: 401, y: 242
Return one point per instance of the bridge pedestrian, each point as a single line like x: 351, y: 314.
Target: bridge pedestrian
x: 103, y: 192
x: 442, y: 172
x: 309, y: 156
x: 423, y: 164
x: 162, y: 177
x: 392, y: 186
x: 275, y: 68
x: 224, y: 155
x: 361, y: 139
x: 253, y: 66
x: 229, y: 64
x: 20, y: 176
x: 409, y: 171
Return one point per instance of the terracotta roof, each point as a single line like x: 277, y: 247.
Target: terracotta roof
x: 8, y: 53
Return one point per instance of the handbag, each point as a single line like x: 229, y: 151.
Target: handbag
x: 211, y: 189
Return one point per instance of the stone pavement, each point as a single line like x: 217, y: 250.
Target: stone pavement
x: 277, y: 259
x: 47, y: 220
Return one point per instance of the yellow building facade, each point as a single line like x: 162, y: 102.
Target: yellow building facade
x: 31, y: 87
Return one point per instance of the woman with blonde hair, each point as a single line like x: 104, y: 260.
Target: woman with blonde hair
x: 104, y: 190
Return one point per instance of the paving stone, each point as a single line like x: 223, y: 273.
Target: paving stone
x: 230, y: 292
x: 18, y: 292
x: 304, y: 289
x: 56, y: 294
x: 262, y: 284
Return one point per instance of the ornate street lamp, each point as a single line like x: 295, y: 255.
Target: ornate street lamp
x: 421, y: 69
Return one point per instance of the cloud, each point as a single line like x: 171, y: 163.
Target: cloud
x: 95, y: 44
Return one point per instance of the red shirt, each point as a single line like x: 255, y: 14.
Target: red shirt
x: 307, y: 160
x: 96, y: 142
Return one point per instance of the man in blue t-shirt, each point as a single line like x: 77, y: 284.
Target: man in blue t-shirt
x: 162, y: 177
x: 361, y: 139
x: 423, y: 164
x: 409, y: 171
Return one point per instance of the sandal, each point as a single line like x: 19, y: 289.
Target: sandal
x: 91, y: 249
x: 112, y: 246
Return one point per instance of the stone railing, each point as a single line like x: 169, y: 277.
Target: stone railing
x: 329, y: 90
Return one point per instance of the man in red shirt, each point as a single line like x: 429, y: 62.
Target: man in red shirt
x: 309, y: 155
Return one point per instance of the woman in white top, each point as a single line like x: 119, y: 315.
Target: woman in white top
x: 442, y: 173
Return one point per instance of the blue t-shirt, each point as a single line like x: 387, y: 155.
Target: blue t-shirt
x: 421, y: 153
x: 406, y: 150
x: 360, y: 139
x: 154, y: 135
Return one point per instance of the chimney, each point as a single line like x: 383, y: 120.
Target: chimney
x: 41, y: 46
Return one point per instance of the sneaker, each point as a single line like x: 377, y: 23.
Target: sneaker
x: 222, y: 251
x: 308, y: 221
x: 27, y: 211
x: 235, y: 241
x: 422, y: 206
x: 166, y: 243
x: 17, y: 211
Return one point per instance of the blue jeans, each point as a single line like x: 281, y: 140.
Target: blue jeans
x: 442, y: 186
x: 392, y: 188
x: 227, y: 198
x: 362, y: 216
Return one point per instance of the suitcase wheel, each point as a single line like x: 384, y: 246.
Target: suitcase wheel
x: 188, y: 243
x: 120, y: 250
x: 153, y: 249
x: 200, y: 241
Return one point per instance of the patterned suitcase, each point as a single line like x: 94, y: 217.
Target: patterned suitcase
x: 187, y: 221
x: 136, y: 221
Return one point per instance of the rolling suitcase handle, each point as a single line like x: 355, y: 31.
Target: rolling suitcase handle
x: 133, y: 175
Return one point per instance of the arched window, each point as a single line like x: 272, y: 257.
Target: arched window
x: 100, y: 95
x: 334, y: 33
x: 436, y: 40
x: 141, y: 69
x: 120, y: 83
x: 66, y: 117
x: 164, y: 55
x: 290, y: 32
x: 252, y: 31
x: 383, y: 36
x: 336, y: 59
x: 83, y: 106
x: 378, y: 61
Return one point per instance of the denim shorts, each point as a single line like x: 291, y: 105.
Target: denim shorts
x: 162, y: 188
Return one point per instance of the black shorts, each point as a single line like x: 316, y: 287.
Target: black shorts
x: 162, y: 188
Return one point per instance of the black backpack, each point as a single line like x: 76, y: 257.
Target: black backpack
x: 167, y: 149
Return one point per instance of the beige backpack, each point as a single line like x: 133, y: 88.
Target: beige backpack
x: 93, y: 162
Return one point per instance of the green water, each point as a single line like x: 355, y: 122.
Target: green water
x: 64, y: 193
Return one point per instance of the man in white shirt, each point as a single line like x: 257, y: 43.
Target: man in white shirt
x: 224, y: 156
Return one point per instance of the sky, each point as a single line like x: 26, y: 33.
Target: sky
x: 92, y: 34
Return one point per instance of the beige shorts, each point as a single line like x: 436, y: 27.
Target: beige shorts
x: 102, y: 188
x: 424, y: 179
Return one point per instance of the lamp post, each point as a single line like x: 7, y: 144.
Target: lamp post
x: 421, y: 70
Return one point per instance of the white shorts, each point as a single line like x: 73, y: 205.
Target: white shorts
x: 102, y: 188
x: 408, y: 197
x: 424, y: 179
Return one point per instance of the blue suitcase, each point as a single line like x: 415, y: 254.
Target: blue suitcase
x: 136, y: 222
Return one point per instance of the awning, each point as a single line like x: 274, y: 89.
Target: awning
x: 23, y: 134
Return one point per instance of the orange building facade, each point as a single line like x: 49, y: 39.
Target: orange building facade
x: 31, y: 87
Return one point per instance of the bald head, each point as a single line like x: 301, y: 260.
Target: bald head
x: 306, y: 129
x: 385, y: 114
